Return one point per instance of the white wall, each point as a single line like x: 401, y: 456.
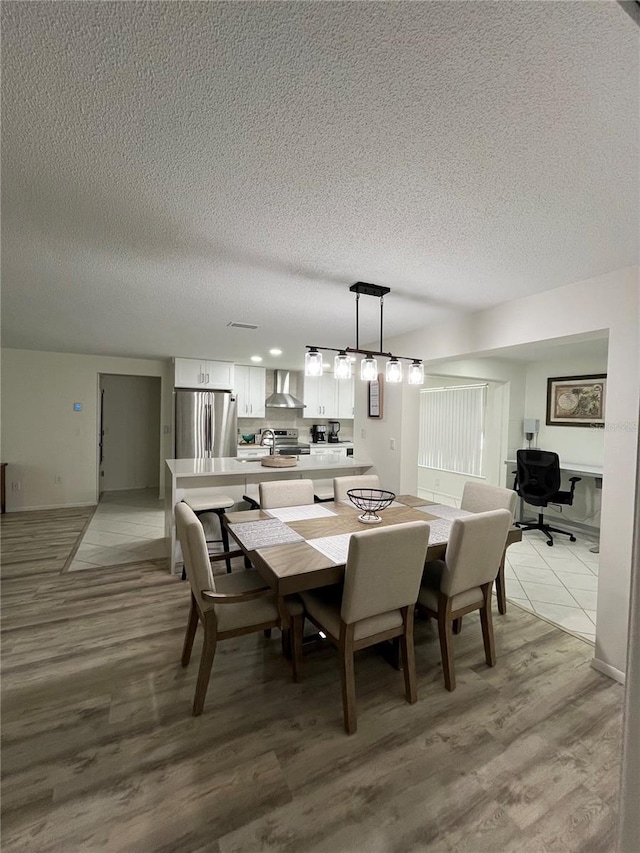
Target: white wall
x: 131, y: 425
x: 572, y: 444
x: 42, y: 436
x: 607, y: 302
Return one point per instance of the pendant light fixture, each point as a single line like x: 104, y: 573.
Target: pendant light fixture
x: 342, y: 365
x: 369, y: 364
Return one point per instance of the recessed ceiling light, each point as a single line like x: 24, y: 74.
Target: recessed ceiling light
x: 275, y: 351
x: 256, y: 358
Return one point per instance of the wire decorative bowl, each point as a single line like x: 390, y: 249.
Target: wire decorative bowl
x: 371, y: 501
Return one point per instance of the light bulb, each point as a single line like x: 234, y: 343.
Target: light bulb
x: 313, y: 362
x: 416, y: 373
x: 342, y: 366
x: 394, y: 370
x: 369, y: 369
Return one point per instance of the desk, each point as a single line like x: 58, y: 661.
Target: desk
x: 298, y: 566
x: 579, y: 469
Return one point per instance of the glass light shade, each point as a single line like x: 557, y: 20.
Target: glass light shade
x: 394, y: 370
x: 416, y: 373
x: 313, y: 363
x: 342, y: 366
x: 369, y: 369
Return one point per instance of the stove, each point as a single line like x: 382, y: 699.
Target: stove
x: 287, y: 442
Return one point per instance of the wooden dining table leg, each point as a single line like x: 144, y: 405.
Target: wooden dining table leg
x: 501, y: 591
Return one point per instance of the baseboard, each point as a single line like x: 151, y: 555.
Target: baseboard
x: 607, y: 669
x: 51, y: 506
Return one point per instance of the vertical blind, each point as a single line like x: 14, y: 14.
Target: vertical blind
x: 452, y: 428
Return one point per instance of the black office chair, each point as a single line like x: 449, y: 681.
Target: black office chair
x: 538, y: 483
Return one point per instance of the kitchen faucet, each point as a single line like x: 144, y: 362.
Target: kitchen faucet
x: 272, y: 451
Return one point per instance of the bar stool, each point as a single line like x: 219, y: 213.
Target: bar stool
x: 322, y: 494
x: 203, y: 500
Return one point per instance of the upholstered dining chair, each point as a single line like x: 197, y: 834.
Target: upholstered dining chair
x: 226, y: 605
x: 341, y: 485
x: 462, y: 581
x: 479, y: 497
x: 277, y: 493
x: 376, y: 603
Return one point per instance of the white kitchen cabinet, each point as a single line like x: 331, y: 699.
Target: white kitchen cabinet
x: 203, y: 375
x: 346, y: 398
x: 250, y: 387
x: 326, y: 397
x: 320, y: 396
x: 334, y: 451
x: 252, y: 452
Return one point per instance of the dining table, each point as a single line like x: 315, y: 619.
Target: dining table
x: 300, y: 548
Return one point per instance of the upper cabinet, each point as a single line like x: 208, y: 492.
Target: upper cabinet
x: 319, y: 396
x: 326, y: 397
x: 194, y: 373
x: 346, y: 397
x: 250, y: 387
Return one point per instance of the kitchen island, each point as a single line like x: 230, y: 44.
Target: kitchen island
x: 235, y: 477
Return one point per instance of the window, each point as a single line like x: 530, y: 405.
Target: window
x: 452, y: 429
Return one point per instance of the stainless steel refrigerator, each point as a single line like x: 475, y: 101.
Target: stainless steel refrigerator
x: 206, y: 424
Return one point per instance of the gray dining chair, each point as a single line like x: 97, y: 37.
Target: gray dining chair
x: 278, y: 493
x: 479, y: 497
x: 462, y: 581
x: 226, y: 605
x: 341, y: 485
x: 381, y: 585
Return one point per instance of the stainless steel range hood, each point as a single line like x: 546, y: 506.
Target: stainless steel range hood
x: 281, y: 398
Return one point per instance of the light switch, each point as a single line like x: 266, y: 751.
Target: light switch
x: 392, y: 444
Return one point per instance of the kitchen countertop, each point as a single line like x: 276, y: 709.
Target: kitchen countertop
x: 231, y: 466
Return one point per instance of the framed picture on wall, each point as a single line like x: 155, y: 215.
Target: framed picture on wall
x: 576, y: 400
x: 374, y: 397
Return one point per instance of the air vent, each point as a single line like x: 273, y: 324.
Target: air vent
x: 243, y: 325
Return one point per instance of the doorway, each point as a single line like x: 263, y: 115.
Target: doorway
x: 129, y: 432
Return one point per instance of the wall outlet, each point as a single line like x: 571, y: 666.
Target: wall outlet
x: 16, y: 486
x: 392, y: 444
x: 57, y: 480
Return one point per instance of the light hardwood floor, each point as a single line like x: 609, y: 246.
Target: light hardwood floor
x: 101, y: 753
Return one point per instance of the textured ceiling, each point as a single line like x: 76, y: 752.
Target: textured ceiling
x: 171, y: 167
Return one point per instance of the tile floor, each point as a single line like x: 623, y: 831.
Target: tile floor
x: 126, y: 527
x: 560, y: 583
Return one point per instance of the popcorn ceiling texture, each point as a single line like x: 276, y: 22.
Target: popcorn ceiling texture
x: 170, y: 167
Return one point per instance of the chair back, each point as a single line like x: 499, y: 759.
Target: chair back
x: 341, y: 485
x: 384, y: 569
x: 538, y: 476
x: 474, y: 550
x: 194, y: 550
x: 478, y: 497
x: 276, y: 493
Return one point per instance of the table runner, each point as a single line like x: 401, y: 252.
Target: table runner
x: 444, y: 511
x: 300, y: 513
x: 261, y: 534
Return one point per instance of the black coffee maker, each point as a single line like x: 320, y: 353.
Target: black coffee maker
x: 318, y: 433
x: 334, y: 429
